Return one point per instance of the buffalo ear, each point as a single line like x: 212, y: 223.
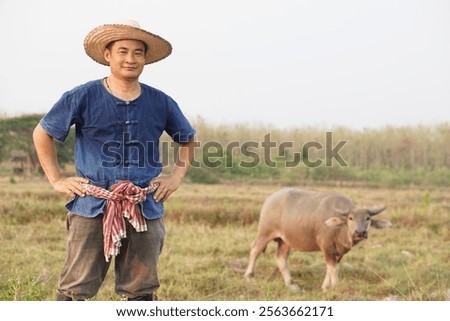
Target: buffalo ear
x: 334, y: 221
x: 380, y: 224
x: 376, y: 211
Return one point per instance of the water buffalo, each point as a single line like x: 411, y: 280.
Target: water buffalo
x: 311, y: 221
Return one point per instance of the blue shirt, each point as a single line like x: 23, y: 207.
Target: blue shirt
x: 116, y: 140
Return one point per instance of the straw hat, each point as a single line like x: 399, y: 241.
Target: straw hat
x: 97, y: 40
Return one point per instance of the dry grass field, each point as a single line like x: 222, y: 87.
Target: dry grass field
x: 209, y: 232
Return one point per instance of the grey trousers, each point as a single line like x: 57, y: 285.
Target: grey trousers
x: 85, y: 267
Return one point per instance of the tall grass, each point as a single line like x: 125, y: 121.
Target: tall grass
x: 388, y: 156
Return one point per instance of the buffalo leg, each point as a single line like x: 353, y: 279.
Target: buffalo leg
x: 331, y: 277
x: 282, y: 255
x: 258, y: 246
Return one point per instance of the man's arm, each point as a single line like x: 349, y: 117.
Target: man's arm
x: 46, y: 151
x: 169, y: 184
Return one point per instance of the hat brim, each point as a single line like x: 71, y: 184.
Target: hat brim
x: 96, y: 41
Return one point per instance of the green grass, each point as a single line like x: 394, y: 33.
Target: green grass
x: 209, y: 232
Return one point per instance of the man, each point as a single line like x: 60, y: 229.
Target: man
x: 117, y: 195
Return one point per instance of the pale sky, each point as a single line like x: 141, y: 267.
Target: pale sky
x: 291, y: 63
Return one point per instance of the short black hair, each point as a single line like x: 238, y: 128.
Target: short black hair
x: 109, y: 45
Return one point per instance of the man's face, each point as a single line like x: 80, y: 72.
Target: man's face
x: 126, y: 58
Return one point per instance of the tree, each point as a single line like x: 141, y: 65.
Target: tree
x: 16, y: 138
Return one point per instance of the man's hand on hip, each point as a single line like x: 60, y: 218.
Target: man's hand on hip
x: 70, y: 186
x: 167, y: 185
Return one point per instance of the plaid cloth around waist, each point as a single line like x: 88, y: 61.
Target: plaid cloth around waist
x: 121, y: 202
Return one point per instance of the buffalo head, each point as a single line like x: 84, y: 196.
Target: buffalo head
x: 358, y: 221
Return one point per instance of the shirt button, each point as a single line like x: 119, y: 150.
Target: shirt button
x: 127, y: 122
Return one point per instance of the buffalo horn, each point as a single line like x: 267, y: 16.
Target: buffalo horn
x: 376, y: 211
